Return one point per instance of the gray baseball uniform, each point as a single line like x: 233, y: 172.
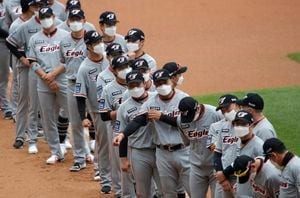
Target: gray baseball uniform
x: 141, y: 146
x: 171, y: 165
x: 86, y: 26
x: 118, y: 39
x: 267, y: 181
x: 290, y: 186
x: 73, y: 52
x: 86, y: 87
x: 59, y: 10
x: 264, y: 129
x: 20, y: 38
x: 214, y: 132
x: 104, y: 78
x: 150, y: 60
x: 13, y: 11
x: 46, y: 51
x: 201, y: 158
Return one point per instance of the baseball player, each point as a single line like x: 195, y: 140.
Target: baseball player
x: 44, y: 52
x: 142, y: 149
x: 73, y: 52
x: 111, y: 98
x: 108, y: 26
x: 176, y: 72
x: 263, y: 176
x: 194, y: 122
x: 254, y: 104
x: 85, y: 89
x: 171, y: 146
x: 289, y: 165
x: 18, y: 40
x: 250, y: 145
x: 4, y: 68
x: 13, y: 10
x: 135, y: 39
x: 227, y: 144
x: 58, y: 9
x: 28, y: 8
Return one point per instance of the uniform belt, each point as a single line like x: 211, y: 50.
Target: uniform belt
x: 171, y: 148
x: 72, y: 80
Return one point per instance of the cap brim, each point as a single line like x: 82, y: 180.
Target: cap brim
x: 131, y: 38
x: 222, y: 106
x: 77, y: 16
x: 135, y: 81
x: 241, y: 119
x: 111, y: 22
x: 188, y: 118
x: 162, y: 78
x: 241, y: 102
x: 182, y: 70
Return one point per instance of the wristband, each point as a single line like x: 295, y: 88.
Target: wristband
x: 35, y: 66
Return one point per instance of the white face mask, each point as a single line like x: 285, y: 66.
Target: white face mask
x: 241, y: 131
x: 132, y: 47
x: 99, y: 49
x: 122, y: 74
x: 136, y: 92
x: 146, y: 76
x: 47, y: 23
x: 110, y: 31
x: 76, y: 26
x: 180, y: 81
x: 230, y: 115
x: 164, y: 90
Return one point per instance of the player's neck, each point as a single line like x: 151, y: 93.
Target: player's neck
x: 139, y: 53
x: 108, y: 39
x: 143, y: 97
x: 95, y: 57
x: 26, y: 16
x: 78, y: 35
x: 121, y: 81
x: 50, y: 31
x: 258, y: 117
x: 148, y: 84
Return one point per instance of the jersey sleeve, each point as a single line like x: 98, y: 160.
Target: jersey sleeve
x: 212, y: 136
x: 105, y: 102
x: 218, y: 143
x: 120, y: 123
x: 81, y: 86
x: 31, y: 50
x: 17, y: 38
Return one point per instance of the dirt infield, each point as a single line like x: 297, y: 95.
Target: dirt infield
x: 227, y: 45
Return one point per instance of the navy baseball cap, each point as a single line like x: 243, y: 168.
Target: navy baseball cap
x: 135, y: 34
x: 244, y: 117
x: 139, y: 64
x: 114, y: 49
x: 45, y: 12
x: 73, y: 4
x: 92, y: 36
x: 25, y: 5
x: 174, y: 68
x: 273, y: 145
x: 134, y: 77
x: 188, y: 107
x: 242, y: 167
x: 252, y: 100
x: 226, y: 100
x: 76, y: 13
x: 42, y: 2
x: 108, y: 18
x: 161, y: 74
x: 119, y: 61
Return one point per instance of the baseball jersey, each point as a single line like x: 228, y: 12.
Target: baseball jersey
x: 59, y: 10
x: 118, y: 39
x: 12, y: 11
x: 142, y: 138
x: 112, y: 97
x: 3, y: 23
x: 264, y: 129
x: 73, y: 52
x: 290, y: 186
x: 165, y: 134
x: 227, y: 143
x: 267, y: 181
x: 150, y: 60
x: 104, y: 77
x: 45, y: 50
x: 197, y: 133
x: 213, y: 132
x: 86, y: 81
x: 20, y: 38
x: 86, y: 26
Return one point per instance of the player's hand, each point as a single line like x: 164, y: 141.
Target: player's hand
x: 86, y: 123
x: 125, y: 165
x: 220, y: 176
x: 118, y: 139
x: 53, y: 86
x: 212, y: 147
x: 226, y: 186
x: 25, y: 61
x: 154, y: 114
x: 49, y: 77
x: 131, y: 55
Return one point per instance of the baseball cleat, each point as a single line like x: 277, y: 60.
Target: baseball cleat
x: 68, y: 144
x: 78, y: 166
x: 8, y: 115
x: 18, y: 144
x: 32, y: 149
x: 97, y: 176
x: 106, y: 190
x: 63, y: 148
x: 89, y: 158
x: 54, y: 159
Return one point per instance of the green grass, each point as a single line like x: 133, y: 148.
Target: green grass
x: 282, y: 108
x: 295, y: 56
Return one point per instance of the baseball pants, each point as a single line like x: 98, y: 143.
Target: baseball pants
x: 244, y: 190
x: 200, y: 179
x: 219, y: 192
x: 171, y: 166
x: 143, y: 163
x: 48, y: 102
x: 4, y: 74
x: 80, y: 147
x: 14, y: 90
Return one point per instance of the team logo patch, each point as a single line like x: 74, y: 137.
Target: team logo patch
x: 194, y: 134
x: 131, y: 110
x: 230, y: 139
x: 107, y: 81
x: 117, y: 126
x: 49, y: 49
x: 185, y: 126
x: 155, y: 108
x: 116, y: 93
x: 32, y: 31
x: 74, y: 54
x: 67, y: 45
x: 39, y: 42
x: 101, y: 104
x: 99, y: 91
x: 225, y: 130
x: 77, y: 87
x: 93, y: 71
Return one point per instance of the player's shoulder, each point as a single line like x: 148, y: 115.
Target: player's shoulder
x: 59, y: 5
x: 181, y: 94
x: 148, y: 58
x: 89, y: 26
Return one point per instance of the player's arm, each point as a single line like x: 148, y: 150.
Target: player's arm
x: 157, y: 115
x: 3, y: 33
x: 135, y: 124
x: 54, y: 73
